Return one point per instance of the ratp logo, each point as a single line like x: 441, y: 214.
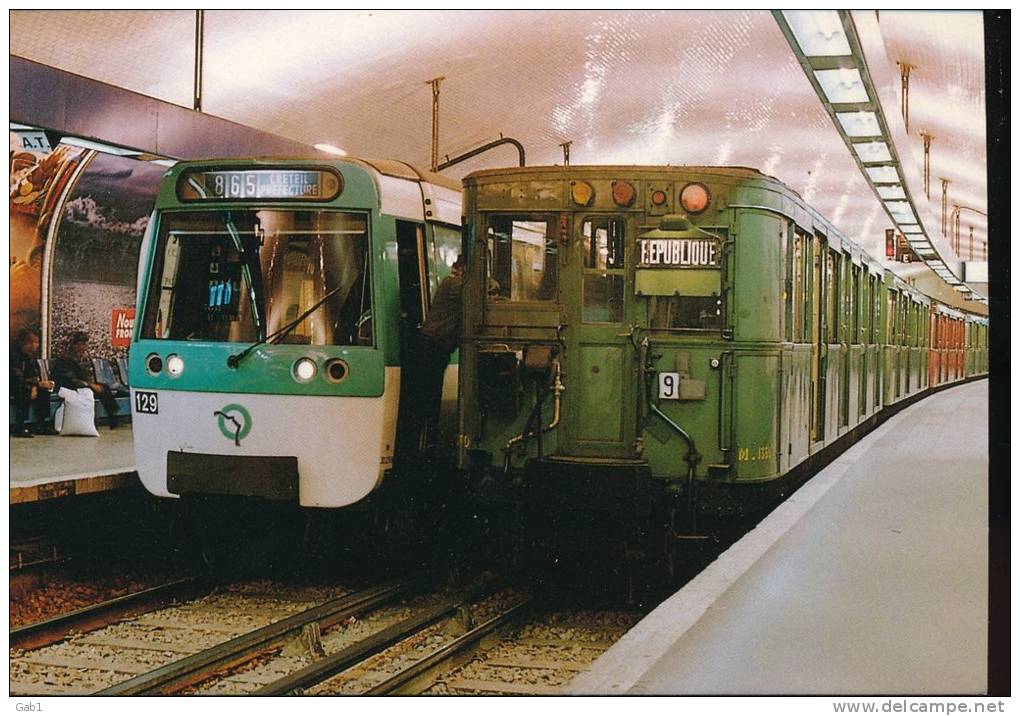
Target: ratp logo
x: 234, y: 421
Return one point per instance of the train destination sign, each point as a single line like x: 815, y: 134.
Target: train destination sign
x: 679, y: 253
x: 256, y: 184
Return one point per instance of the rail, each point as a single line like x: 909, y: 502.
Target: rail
x: 241, y: 649
x: 50, y: 631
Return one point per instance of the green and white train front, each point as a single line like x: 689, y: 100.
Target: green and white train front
x: 265, y: 359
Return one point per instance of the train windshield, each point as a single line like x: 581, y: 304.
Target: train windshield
x: 238, y: 276
x: 522, y: 257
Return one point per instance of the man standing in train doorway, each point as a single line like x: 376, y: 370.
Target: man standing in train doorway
x: 425, y: 367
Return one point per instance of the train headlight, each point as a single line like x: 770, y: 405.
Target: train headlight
x: 174, y: 365
x: 153, y: 364
x: 694, y: 198
x: 336, y: 370
x: 304, y: 370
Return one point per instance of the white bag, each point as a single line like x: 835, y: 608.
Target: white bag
x: 76, y: 415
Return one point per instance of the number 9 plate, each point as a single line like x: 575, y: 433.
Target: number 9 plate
x: 669, y: 386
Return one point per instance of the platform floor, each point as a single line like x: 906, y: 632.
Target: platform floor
x: 57, y: 466
x: 871, y: 579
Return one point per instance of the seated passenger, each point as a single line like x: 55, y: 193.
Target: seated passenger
x: 73, y: 370
x: 28, y: 388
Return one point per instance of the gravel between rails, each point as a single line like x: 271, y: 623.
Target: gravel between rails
x: 362, y: 677
x: 296, y: 655
x: 86, y: 663
x: 539, y: 658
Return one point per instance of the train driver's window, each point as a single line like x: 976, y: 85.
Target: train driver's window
x: 522, y: 257
x: 603, y: 278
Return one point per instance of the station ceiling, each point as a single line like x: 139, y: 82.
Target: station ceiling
x: 624, y: 87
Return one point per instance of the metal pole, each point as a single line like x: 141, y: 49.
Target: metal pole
x: 970, y: 249
x: 566, y: 153
x: 945, y: 204
x: 435, y: 121
x: 905, y: 68
x: 927, y: 164
x: 199, y: 43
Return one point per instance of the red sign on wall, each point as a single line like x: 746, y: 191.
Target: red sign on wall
x: 122, y: 321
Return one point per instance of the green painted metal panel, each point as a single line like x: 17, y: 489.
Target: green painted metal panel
x: 677, y: 282
x: 756, y: 409
x: 266, y: 370
x: 600, y: 391
x: 758, y: 271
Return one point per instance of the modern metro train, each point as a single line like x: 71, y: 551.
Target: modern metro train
x: 274, y: 298
x: 662, y: 341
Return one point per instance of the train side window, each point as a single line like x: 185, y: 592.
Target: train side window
x: 855, y: 307
x: 446, y: 243
x: 890, y: 323
x: 832, y: 281
x: 602, y: 282
x: 522, y: 253
x: 798, y: 297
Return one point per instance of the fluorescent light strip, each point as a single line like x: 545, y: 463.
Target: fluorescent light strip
x: 873, y: 152
x: 842, y: 86
x: 859, y: 124
x: 98, y: 146
x: 893, y: 191
x: 883, y: 175
x: 818, y: 32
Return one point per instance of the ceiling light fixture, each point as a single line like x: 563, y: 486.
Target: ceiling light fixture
x: 331, y: 149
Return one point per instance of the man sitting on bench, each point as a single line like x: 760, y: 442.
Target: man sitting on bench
x: 28, y: 387
x: 73, y: 371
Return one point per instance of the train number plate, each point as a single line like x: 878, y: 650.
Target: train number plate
x: 669, y: 386
x: 146, y: 402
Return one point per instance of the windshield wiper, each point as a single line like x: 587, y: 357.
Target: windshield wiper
x: 235, y: 359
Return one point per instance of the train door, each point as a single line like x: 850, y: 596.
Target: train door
x: 818, y: 342
x: 412, y: 270
x: 843, y: 291
x: 599, y: 361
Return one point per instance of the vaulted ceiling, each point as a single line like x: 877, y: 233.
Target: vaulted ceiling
x: 633, y: 87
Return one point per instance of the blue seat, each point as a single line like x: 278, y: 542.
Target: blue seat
x: 122, y: 368
x: 104, y: 374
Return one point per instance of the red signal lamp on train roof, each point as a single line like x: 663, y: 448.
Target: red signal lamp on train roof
x: 694, y: 198
x: 623, y: 193
x: 658, y: 197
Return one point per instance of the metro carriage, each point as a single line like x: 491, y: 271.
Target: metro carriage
x: 654, y: 342
x: 274, y: 299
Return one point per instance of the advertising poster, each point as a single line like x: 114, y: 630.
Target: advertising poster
x: 37, y: 178
x: 95, y: 256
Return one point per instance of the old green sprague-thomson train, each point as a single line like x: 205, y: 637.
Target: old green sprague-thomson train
x: 654, y: 341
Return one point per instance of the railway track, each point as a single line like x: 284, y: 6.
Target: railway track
x: 194, y: 646
x: 55, y: 629
x: 393, y: 638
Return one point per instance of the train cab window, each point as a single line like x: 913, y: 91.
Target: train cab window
x: 602, y: 280
x: 522, y: 251
x: 243, y: 275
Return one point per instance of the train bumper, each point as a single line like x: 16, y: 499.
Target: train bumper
x: 269, y: 477
x: 623, y: 488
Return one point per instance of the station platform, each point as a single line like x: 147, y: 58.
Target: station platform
x: 870, y: 579
x: 47, y: 467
